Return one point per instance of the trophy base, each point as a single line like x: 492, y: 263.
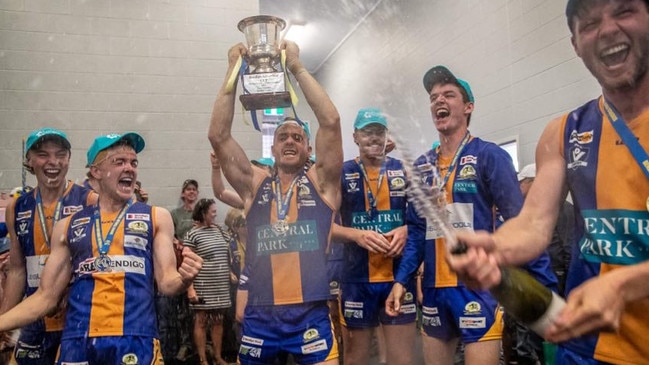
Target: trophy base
x: 266, y: 100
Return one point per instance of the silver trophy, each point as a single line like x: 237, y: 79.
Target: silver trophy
x: 263, y: 79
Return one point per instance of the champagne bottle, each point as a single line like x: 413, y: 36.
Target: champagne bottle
x: 526, y: 299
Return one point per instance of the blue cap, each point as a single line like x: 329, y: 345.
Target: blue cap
x: 266, y: 161
x: 299, y: 122
x: 367, y: 116
x: 44, y: 133
x: 441, y: 75
x: 103, y: 142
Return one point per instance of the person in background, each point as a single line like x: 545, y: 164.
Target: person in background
x: 598, y: 150
x: 209, y: 296
x: 111, y: 252
x: 175, y: 318
x: 141, y: 195
x: 289, y: 217
x: 30, y: 219
x: 374, y: 233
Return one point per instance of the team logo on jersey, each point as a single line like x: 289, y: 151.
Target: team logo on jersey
x: 266, y: 194
x: 129, y: 359
x: 80, y: 221
x: 78, y: 233
x: 468, y: 159
x: 137, y: 227
x: 22, y: 228
x: 303, y: 192
x: 393, y: 173
x: 138, y: 216
x: 310, y: 335
x: 352, y: 186
x: 23, y: 215
x: 71, y: 209
x: 467, y: 172
x: 578, y: 156
x: 581, y: 138
x: 398, y: 183
x: 408, y: 297
x: 472, y: 308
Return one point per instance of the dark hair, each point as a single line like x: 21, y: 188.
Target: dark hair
x: 188, y: 182
x: 576, y: 8
x: 201, y: 207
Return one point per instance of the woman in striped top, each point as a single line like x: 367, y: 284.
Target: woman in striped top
x: 210, y: 294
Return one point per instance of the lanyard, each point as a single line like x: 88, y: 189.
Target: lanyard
x: 370, y: 196
x: 41, y: 213
x: 630, y: 141
x: 458, y: 152
x: 282, y: 204
x: 104, y: 244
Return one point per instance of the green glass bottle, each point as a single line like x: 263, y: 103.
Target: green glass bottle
x: 526, y: 299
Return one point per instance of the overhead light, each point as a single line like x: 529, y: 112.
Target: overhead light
x: 295, y: 32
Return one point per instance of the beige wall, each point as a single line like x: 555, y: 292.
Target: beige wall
x: 154, y: 66
x: 516, y: 54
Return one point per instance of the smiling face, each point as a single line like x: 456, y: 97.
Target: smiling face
x: 49, y: 162
x: 612, y: 39
x: 116, y: 170
x: 290, y: 147
x: 371, y: 141
x: 449, y: 109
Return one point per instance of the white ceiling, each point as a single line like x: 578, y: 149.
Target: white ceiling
x: 327, y: 23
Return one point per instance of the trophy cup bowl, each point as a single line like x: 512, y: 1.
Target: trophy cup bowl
x: 263, y: 80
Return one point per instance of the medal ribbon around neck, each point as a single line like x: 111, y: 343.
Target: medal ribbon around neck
x: 41, y: 213
x: 103, y: 245
x: 370, y: 196
x: 282, y: 204
x: 629, y: 139
x: 458, y: 152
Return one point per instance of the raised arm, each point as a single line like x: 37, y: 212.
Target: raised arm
x: 234, y: 162
x: 56, y: 276
x: 227, y: 196
x: 16, y: 273
x: 171, y: 281
x: 328, y: 140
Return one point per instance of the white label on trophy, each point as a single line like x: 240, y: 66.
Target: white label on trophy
x: 268, y: 82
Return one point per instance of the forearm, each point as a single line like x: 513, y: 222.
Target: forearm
x: 14, y: 289
x: 322, y: 106
x: 29, y: 310
x: 522, y: 239
x: 173, y: 285
x: 634, y: 280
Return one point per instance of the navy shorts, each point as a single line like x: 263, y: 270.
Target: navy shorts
x: 363, y: 305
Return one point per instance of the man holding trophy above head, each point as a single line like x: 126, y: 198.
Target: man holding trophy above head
x: 289, y: 218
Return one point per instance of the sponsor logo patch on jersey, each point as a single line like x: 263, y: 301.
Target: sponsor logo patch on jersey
x: 467, y: 172
x: 468, y: 159
x: 71, y: 209
x: 353, y: 304
x: 136, y: 242
x: 314, y: 347
x: 473, y: 322
x: 398, y: 183
x: 138, y: 216
x: 23, y: 215
x: 581, y: 138
x: 352, y: 176
x: 393, y: 173
x: 79, y: 221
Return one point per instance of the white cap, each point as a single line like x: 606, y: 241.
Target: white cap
x: 527, y: 172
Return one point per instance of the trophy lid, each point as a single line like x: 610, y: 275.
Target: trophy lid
x: 267, y: 19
